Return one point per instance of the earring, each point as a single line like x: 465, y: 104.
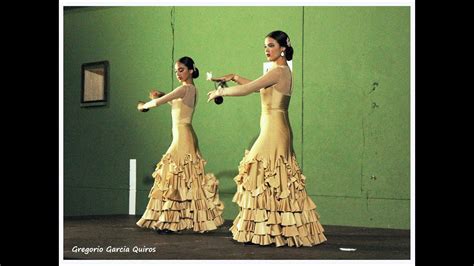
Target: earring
x: 282, y: 53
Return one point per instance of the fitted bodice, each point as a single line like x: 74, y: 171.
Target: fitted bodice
x: 181, y: 113
x: 272, y: 99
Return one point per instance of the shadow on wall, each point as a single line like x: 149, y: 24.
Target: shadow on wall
x: 227, y: 175
x: 148, y: 180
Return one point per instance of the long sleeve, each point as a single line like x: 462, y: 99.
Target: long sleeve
x: 241, y: 80
x: 268, y: 79
x: 175, y: 94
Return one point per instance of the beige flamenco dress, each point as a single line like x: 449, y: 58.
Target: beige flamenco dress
x: 271, y: 194
x: 183, y: 196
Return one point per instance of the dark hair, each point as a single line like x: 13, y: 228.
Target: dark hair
x: 189, y: 63
x: 284, y: 41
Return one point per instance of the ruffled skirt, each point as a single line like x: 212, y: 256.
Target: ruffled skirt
x: 183, y: 197
x: 274, y: 206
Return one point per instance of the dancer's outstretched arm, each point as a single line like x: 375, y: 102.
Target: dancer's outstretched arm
x: 268, y: 79
x: 233, y: 77
x: 175, y: 94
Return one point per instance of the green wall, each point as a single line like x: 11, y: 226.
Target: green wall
x: 350, y: 110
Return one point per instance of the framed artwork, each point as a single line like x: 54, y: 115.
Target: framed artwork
x: 94, y: 83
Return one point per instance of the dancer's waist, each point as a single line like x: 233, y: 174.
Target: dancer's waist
x: 182, y: 123
x: 274, y: 109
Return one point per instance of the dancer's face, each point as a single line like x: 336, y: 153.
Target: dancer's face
x: 272, y: 49
x: 182, y: 71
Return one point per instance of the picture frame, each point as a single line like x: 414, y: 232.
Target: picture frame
x: 94, y: 83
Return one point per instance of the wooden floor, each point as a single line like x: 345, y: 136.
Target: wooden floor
x: 117, y: 237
